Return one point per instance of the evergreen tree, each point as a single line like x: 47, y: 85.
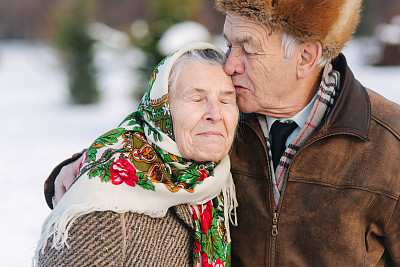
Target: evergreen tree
x: 76, y: 46
x: 164, y: 14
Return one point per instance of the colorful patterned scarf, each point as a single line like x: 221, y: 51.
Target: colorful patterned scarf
x: 326, y: 95
x: 137, y: 167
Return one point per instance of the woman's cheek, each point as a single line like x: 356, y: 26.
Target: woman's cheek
x: 185, y: 143
x: 231, y: 118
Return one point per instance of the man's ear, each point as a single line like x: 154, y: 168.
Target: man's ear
x: 309, y: 55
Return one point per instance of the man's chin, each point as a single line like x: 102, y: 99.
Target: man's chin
x: 246, y: 105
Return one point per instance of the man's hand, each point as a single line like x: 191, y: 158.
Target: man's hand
x: 65, y: 178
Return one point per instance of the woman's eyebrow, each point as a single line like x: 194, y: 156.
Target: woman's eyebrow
x: 194, y: 90
x: 229, y: 93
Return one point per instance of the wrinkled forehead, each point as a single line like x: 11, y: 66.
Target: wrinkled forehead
x: 200, y: 76
x: 237, y: 27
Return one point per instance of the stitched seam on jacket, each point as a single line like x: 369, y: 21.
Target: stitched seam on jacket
x: 362, y: 237
x: 367, y: 189
x: 391, y: 217
x: 384, y: 124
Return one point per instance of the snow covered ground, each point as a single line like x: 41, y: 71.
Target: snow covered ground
x: 39, y: 128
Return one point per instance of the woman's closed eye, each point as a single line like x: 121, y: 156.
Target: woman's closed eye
x: 197, y: 98
x: 228, y: 101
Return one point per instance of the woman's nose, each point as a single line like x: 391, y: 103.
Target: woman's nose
x: 234, y: 63
x: 213, y: 112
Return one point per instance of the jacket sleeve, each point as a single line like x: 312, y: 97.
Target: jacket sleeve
x: 49, y: 183
x: 392, y: 237
x: 94, y: 239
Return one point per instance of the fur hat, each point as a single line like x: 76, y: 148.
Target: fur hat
x: 332, y: 22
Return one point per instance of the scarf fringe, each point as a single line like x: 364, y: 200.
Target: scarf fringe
x: 230, y: 205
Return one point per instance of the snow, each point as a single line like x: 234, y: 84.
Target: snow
x: 182, y: 34
x: 109, y: 36
x: 389, y: 33
x: 383, y: 80
x: 40, y: 127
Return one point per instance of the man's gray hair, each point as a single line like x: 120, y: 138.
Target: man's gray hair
x: 202, y: 56
x: 288, y: 45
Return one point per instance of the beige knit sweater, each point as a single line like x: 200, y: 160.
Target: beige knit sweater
x: 127, y: 239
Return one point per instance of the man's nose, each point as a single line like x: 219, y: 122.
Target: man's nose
x: 234, y: 63
x: 213, y: 113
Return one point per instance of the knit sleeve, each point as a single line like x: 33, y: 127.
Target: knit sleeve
x: 49, y: 183
x: 95, y: 239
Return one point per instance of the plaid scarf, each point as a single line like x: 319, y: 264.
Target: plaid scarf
x: 326, y: 96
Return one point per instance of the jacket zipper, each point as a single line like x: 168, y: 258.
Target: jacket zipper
x: 275, y: 213
x: 274, y: 229
x: 275, y: 218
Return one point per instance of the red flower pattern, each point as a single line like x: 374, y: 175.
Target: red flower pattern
x: 82, y: 162
x: 203, y: 175
x: 196, y: 248
x: 204, y: 260
x: 206, y: 216
x: 219, y: 263
x: 123, y: 171
x: 194, y: 213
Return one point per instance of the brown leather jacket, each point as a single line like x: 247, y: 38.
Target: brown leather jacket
x: 340, y: 203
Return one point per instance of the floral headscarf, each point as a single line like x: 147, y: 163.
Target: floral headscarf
x: 140, y: 161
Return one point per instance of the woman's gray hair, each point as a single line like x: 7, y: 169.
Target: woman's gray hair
x: 202, y: 56
x: 289, y: 43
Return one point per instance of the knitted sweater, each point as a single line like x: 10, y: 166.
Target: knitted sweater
x: 126, y: 239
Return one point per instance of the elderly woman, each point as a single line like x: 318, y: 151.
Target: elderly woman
x: 157, y: 190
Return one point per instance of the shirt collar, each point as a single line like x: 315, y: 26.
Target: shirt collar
x: 300, y: 118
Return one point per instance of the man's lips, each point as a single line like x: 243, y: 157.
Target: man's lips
x: 239, y: 88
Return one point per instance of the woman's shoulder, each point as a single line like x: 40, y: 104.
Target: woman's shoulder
x: 90, y: 235
x: 125, y: 238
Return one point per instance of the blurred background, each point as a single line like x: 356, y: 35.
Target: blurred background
x: 71, y: 70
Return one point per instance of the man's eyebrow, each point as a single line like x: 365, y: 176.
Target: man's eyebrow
x: 238, y: 39
x: 241, y: 39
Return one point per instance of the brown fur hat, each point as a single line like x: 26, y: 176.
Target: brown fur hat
x: 332, y: 22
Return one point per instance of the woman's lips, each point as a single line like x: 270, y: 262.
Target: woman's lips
x: 211, y: 134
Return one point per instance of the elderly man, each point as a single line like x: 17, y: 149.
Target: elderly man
x: 330, y: 195
x: 317, y: 160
